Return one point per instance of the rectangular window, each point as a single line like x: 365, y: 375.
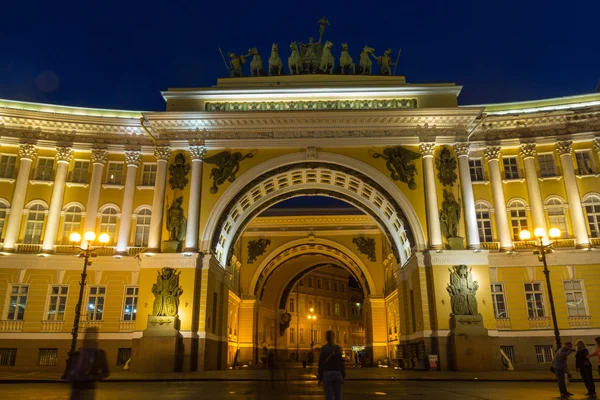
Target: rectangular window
x: 319, y: 308
x: 43, y: 171
x: 476, y: 169
x: 80, y: 171
x: 345, y: 337
x: 8, y: 357
x: 130, y: 303
x: 301, y: 333
x: 123, y: 355
x: 57, y: 301
x: 344, y: 311
x: 547, y: 167
x: 319, y: 284
x: 336, y: 309
x: 535, y: 300
x: 17, y: 302
x: 95, y: 304
x: 301, y: 282
x: 310, y: 282
x: 292, y: 304
x: 343, y: 288
x: 7, y: 166
x: 511, y: 167
x: 328, y: 309
x: 518, y: 220
x: 509, y: 351
x: 575, y: 298
x: 114, y: 173
x: 48, y: 357
x: 543, y: 354
x: 335, y: 286
x: 292, y: 335
x: 585, y: 164
x: 484, y: 223
x: 328, y: 285
x: 499, y: 300
x: 310, y: 306
x: 149, y: 174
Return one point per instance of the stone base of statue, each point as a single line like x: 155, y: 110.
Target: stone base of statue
x: 456, y: 243
x: 171, y: 246
x: 160, y: 349
x: 472, y: 346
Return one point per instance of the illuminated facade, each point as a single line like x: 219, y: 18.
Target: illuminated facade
x: 252, y: 142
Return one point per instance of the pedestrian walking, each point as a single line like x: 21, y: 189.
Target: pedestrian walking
x: 304, y: 359
x: 331, y: 368
x: 597, y: 352
x: 88, y: 365
x: 560, y: 367
x: 584, y: 366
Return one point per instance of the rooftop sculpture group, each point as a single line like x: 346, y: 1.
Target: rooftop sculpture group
x: 311, y: 58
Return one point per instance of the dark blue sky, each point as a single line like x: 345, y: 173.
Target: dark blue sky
x: 120, y: 54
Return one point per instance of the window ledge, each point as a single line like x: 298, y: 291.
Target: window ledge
x: 520, y: 180
x: 550, y: 178
x: 145, y: 187
x: 481, y: 182
x: 112, y: 186
x: 77, y: 184
x: 40, y: 182
x: 9, y: 180
x: 594, y: 175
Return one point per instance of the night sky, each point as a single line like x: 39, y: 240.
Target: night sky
x: 120, y: 54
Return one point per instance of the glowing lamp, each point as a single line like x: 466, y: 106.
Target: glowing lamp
x: 554, y: 233
x: 539, y: 232
x: 525, y: 235
x: 75, y: 237
x: 89, y: 236
x: 104, y: 238
x: 312, y: 310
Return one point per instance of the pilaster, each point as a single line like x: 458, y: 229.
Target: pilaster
x: 434, y: 231
x: 132, y: 158
x: 63, y: 157
x: 191, y: 236
x: 162, y: 154
x: 468, y: 200
x: 527, y: 152
x: 99, y: 158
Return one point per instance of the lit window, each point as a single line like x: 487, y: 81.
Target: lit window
x: 301, y: 335
x: 35, y: 223
x: 534, y: 297
x: 556, y: 215
x: 80, y: 171
x: 292, y: 305
x: 518, y: 218
x: 142, y: 228
x: 585, y: 165
x: 336, y: 309
x: 114, y: 175
x: 72, y: 222
x: 16, y: 302
x: 130, y: 303
x: 48, y: 357
x: 3, y: 208
x: 43, y: 171
x: 547, y: 167
x: 149, y: 174
x: 108, y: 222
x: 95, y: 303
x: 57, y: 301
x: 592, y: 209
x: 7, y: 166
x: 292, y: 335
x: 575, y: 298
x: 484, y: 222
x: 476, y: 169
x: 499, y: 301
x: 511, y: 167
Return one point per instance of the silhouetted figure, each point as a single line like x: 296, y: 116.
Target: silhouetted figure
x: 597, y: 352
x: 304, y: 359
x: 331, y: 368
x: 88, y: 366
x: 584, y: 366
x: 560, y: 367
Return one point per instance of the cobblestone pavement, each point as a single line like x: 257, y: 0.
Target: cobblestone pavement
x: 298, y: 390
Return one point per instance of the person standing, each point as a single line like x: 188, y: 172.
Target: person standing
x: 584, y: 366
x: 88, y: 365
x: 560, y: 367
x: 331, y: 368
x: 304, y: 359
x: 597, y: 352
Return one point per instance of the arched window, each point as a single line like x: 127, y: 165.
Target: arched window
x: 3, y: 207
x: 108, y: 223
x: 592, y: 209
x: 484, y: 222
x: 556, y: 215
x: 72, y: 222
x: 35, y: 223
x: 518, y: 218
x: 142, y: 228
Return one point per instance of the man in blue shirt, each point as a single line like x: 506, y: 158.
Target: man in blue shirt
x: 559, y: 364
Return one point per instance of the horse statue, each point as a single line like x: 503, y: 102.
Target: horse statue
x: 256, y: 65
x: 385, y: 63
x: 275, y: 64
x: 365, y: 65
x: 346, y: 61
x: 294, y: 60
x: 327, y: 60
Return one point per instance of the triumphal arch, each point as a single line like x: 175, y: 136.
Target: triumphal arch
x: 204, y: 269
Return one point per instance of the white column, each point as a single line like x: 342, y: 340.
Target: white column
x: 536, y: 204
x: 468, y: 199
x: 162, y: 154
x: 132, y: 158
x: 503, y: 228
x: 13, y: 226
x: 191, y: 233
x: 63, y: 157
x: 98, y: 159
x: 431, y: 203
x: 582, y: 239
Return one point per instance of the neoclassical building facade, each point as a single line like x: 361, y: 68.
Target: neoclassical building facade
x: 436, y: 185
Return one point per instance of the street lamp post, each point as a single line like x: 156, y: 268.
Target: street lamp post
x: 541, y: 250
x: 85, y: 253
x: 312, y: 317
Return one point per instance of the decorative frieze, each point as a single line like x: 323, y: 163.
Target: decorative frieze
x: 527, y: 150
x: 99, y: 156
x: 597, y: 145
x: 462, y: 149
x: 133, y: 158
x: 564, y: 147
x: 27, y: 151
x: 64, y: 154
x: 427, y: 149
x: 383, y: 104
x: 492, y: 153
x: 162, y: 153
x: 197, y: 152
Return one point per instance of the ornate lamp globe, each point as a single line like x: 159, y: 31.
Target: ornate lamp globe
x: 539, y: 232
x: 525, y: 235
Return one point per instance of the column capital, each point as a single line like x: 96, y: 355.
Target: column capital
x: 64, y: 154
x: 427, y: 149
x: 597, y: 144
x: 162, y: 153
x: 197, y: 152
x: 99, y: 156
x: 462, y: 149
x: 492, y: 153
x: 527, y: 150
x: 133, y: 158
x: 564, y: 147
x: 27, y: 151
